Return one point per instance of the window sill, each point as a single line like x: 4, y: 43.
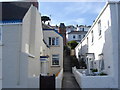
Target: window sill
x: 55, y: 65
x: 30, y: 55
x: 54, y: 45
x: 100, y: 37
x: 92, y: 43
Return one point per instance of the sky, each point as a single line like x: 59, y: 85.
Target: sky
x: 71, y: 13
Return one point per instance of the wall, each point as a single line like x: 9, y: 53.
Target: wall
x: 107, y: 43
x: 59, y: 79
x: 34, y: 40
x: 21, y: 65
x: 54, y: 50
x: 1, y: 62
x: 10, y: 55
x: 93, y: 82
x: 100, y: 43
x: 119, y: 47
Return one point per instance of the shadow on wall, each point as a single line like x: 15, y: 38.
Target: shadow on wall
x: 107, y: 50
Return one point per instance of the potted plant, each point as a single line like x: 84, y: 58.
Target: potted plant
x: 102, y: 74
x: 94, y: 70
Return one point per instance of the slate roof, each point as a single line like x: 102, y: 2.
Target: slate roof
x: 44, y: 26
x: 11, y: 11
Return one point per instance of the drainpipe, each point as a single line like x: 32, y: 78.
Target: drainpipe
x: 18, y: 72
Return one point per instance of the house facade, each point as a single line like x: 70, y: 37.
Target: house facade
x: 20, y: 47
x: 75, y: 35
x: 54, y: 42
x: 101, y: 46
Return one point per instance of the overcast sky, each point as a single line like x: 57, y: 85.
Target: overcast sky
x: 71, y: 13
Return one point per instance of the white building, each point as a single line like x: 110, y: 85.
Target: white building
x: 70, y: 28
x: 20, y: 42
x: 83, y: 28
x: 100, y: 48
x: 54, y: 51
x: 75, y: 35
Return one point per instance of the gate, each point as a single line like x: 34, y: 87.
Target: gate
x: 47, y: 82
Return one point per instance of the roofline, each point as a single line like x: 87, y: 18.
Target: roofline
x: 53, y: 30
x: 10, y: 22
x: 77, y: 32
x: 101, y: 12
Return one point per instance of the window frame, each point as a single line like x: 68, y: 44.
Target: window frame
x: 92, y: 34
x: 58, y: 57
x: 99, y: 28
x: 74, y: 37
x: 54, y: 42
x: 80, y: 36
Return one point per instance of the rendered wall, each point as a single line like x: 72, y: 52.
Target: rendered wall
x: 54, y: 50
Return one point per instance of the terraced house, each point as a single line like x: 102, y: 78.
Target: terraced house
x: 54, y: 51
x: 100, y: 49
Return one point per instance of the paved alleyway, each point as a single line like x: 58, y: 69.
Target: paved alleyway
x: 68, y: 78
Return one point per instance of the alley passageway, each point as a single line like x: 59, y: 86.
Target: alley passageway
x: 68, y: 78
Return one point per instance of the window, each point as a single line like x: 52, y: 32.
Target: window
x: 54, y: 41
x: 74, y: 37
x: 99, y: 27
x: 55, y: 59
x: 92, y: 36
x: 83, y: 36
x: 57, y: 40
x: 83, y: 29
x: 79, y: 36
x: 49, y: 40
x: 108, y: 23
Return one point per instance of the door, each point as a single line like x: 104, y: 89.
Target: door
x: 47, y: 82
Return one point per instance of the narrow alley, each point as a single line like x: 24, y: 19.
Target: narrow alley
x: 68, y: 78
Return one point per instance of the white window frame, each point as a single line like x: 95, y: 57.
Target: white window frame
x: 55, y: 42
x: 55, y: 57
x: 80, y: 36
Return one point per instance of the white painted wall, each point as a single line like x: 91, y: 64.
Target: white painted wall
x: 1, y: 62
x: 59, y: 79
x: 20, y: 66
x: 95, y: 82
x: 107, y: 43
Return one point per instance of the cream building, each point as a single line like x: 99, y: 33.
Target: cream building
x: 54, y: 42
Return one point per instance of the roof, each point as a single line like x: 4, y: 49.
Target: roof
x: 49, y: 28
x: 44, y: 26
x: 11, y: 21
x: 77, y: 32
x: 14, y: 10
